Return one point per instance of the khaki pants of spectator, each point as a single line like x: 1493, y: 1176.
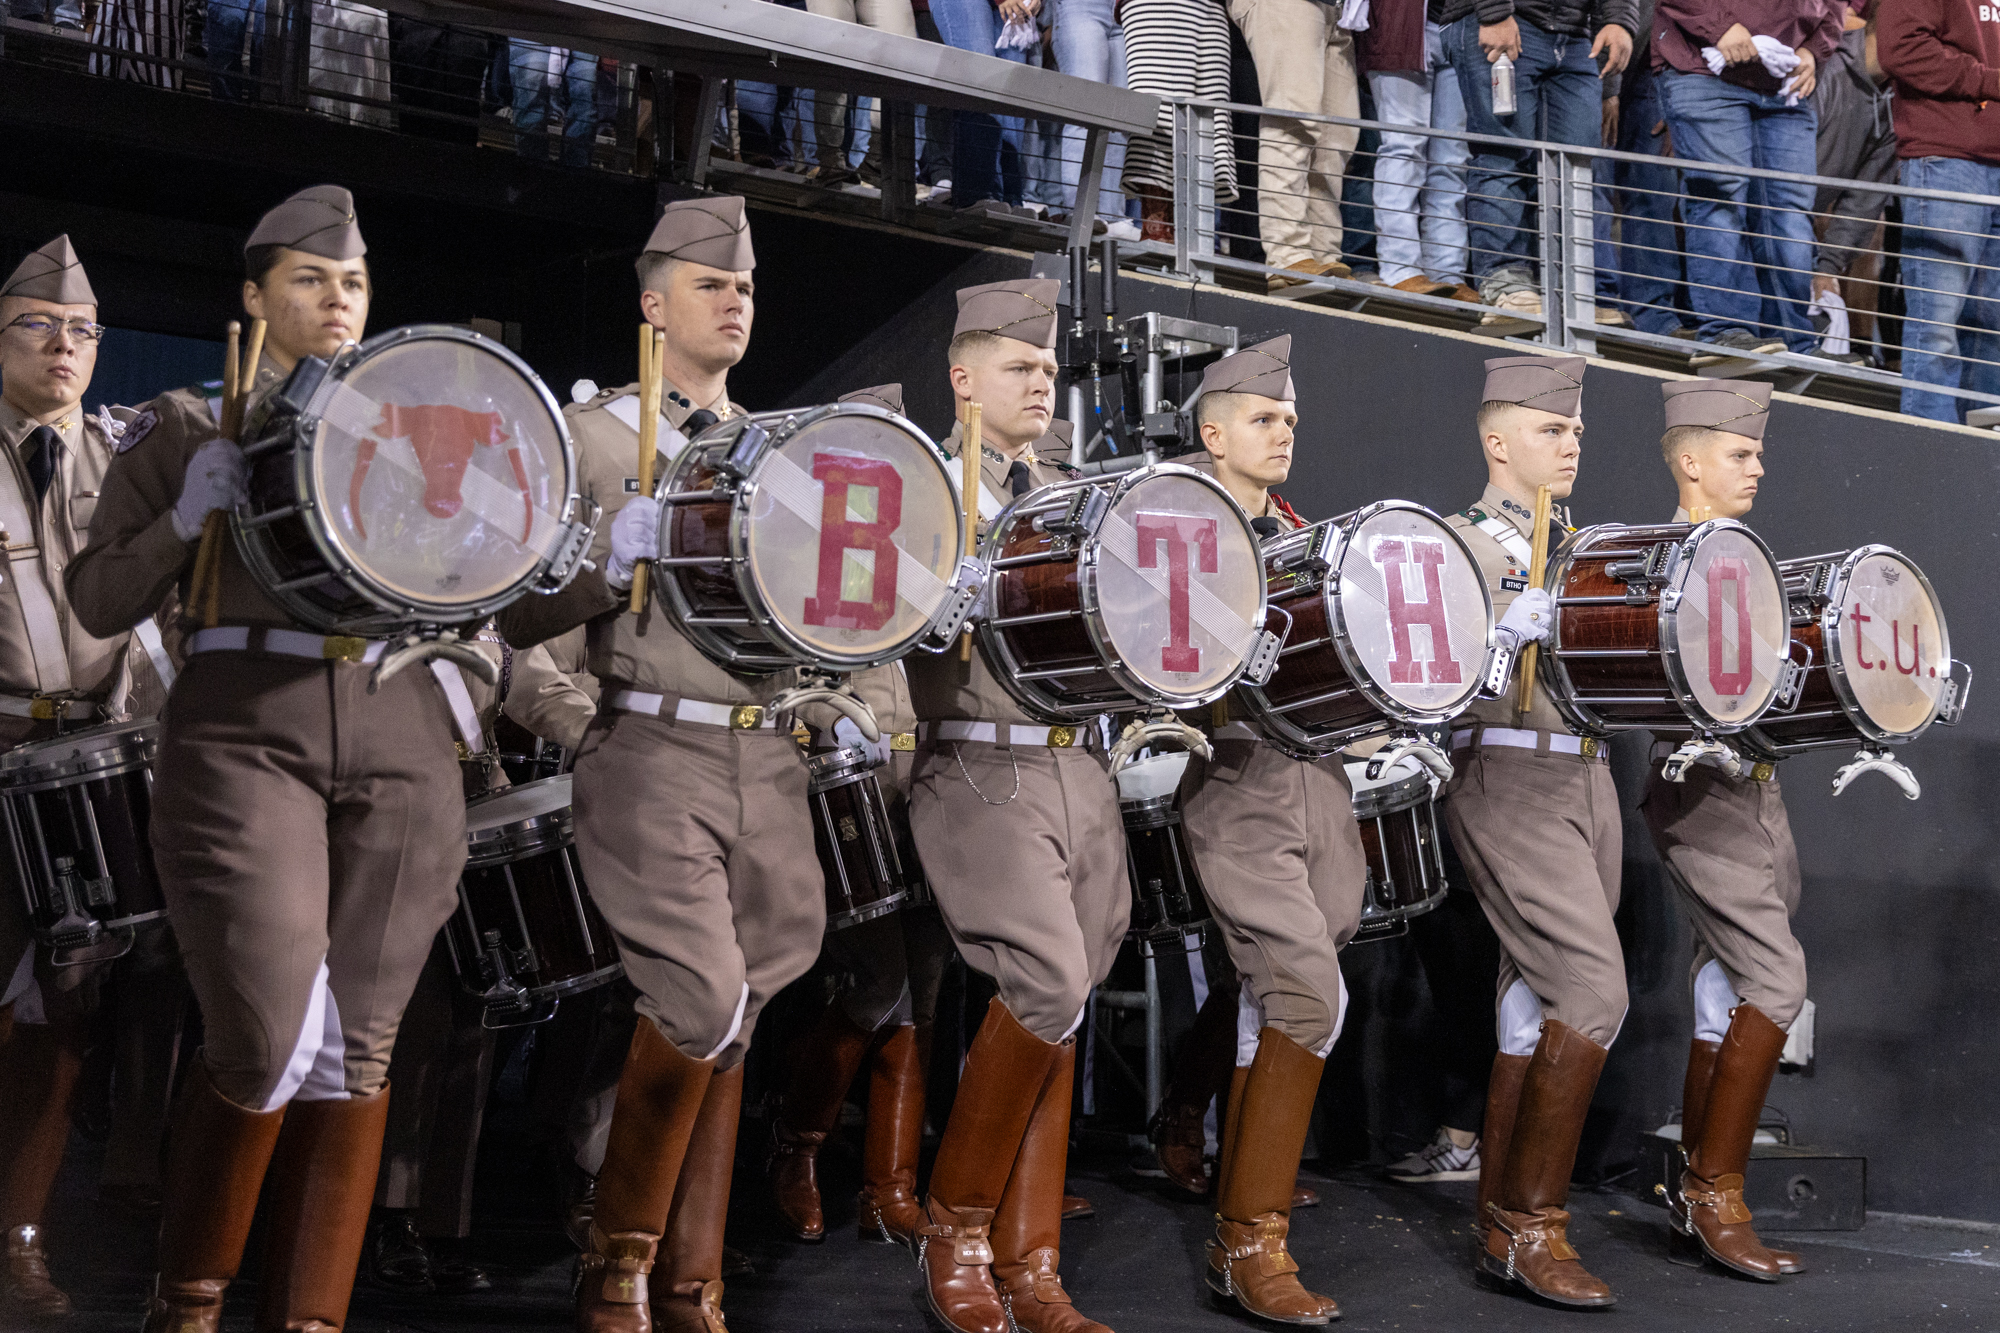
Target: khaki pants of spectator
x: 830, y: 109
x: 1305, y: 62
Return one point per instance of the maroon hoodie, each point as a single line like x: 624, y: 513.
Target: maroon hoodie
x: 1945, y: 58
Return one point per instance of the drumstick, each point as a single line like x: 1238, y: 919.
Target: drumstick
x: 969, y: 466
x: 1701, y: 514
x: 1538, y: 560
x: 652, y: 355
x: 238, y: 378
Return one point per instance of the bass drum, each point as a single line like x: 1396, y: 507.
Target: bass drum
x: 1390, y: 629
x: 829, y: 537
x: 1670, y: 627
x: 1878, y: 658
x: 1104, y: 593
x: 422, y: 478
x: 854, y: 839
x: 1397, y: 814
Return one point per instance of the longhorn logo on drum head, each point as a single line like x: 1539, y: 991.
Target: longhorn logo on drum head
x: 443, y: 437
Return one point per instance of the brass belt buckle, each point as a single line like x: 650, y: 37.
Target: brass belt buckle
x: 1589, y: 747
x: 1062, y: 737
x: 746, y: 717
x: 344, y: 648
x: 44, y: 709
x: 903, y: 740
x: 1763, y: 772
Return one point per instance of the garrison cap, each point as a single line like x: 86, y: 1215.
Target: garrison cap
x: 711, y: 232
x: 888, y: 396
x: 1545, y: 383
x: 1265, y: 370
x: 1020, y: 308
x: 1742, y: 407
x: 318, y: 220
x: 52, y: 273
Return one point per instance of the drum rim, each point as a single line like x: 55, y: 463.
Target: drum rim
x: 1377, y: 799
x: 19, y: 776
x: 839, y: 768
x: 503, y: 844
x: 393, y: 610
x: 788, y: 649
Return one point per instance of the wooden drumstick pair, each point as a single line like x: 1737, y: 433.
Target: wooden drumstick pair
x: 652, y: 362
x: 969, y: 492
x: 239, y: 378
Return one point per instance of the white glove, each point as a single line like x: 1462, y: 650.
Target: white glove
x: 635, y: 536
x: 845, y: 733
x: 1530, y: 618
x: 214, y: 480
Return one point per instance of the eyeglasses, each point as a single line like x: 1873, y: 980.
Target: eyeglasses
x: 46, y: 327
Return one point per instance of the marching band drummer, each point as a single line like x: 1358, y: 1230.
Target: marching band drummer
x: 1282, y: 864
x: 691, y: 819
x: 308, y: 832
x: 885, y: 1017
x: 1018, y: 826
x: 51, y: 667
x: 1727, y: 845
x: 1533, y: 815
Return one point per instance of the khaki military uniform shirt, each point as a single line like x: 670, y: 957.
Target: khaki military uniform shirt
x: 1505, y: 566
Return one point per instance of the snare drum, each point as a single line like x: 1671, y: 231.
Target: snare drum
x: 1169, y: 909
x: 422, y: 478
x: 1671, y: 627
x: 1879, y: 668
x: 526, y: 933
x: 1399, y: 832
x: 1103, y: 592
x: 827, y: 537
x: 851, y: 832
x: 77, y: 809
x: 1390, y: 628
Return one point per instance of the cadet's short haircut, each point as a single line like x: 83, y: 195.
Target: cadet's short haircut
x: 259, y: 260
x: 972, y: 343
x: 1217, y: 407
x: 1490, y: 412
x: 654, y: 269
x: 1682, y: 440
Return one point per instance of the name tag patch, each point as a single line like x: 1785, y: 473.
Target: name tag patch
x: 631, y: 485
x: 1513, y: 585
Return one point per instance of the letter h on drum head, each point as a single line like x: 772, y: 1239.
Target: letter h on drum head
x: 1391, y: 555
x: 1181, y: 534
x: 839, y: 534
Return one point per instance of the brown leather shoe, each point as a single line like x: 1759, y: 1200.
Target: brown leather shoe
x: 1027, y: 1231
x: 889, y: 1211
x: 1075, y: 1208
x: 1707, y: 1209
x: 1247, y: 1260
x: 687, y: 1291
x: 26, y: 1289
x: 216, y: 1156
x: 1419, y: 285
x: 829, y: 1056
x: 1527, y: 1243
x: 1503, y: 1099
x: 1305, y: 1196
x: 1180, y: 1145
x: 323, y: 1183
x: 955, y: 1251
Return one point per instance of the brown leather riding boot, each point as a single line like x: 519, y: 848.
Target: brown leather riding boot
x: 828, y: 1058
x: 1207, y: 1058
x: 1157, y: 214
x: 216, y: 1156
x: 323, y: 1181
x: 660, y: 1094
x: 1503, y: 1101
x: 997, y: 1092
x: 688, y: 1295
x: 1247, y: 1260
x: 38, y: 1071
x: 1694, y: 1105
x: 889, y: 1210
x: 1528, y: 1242
x: 1708, y: 1212
x: 1027, y: 1230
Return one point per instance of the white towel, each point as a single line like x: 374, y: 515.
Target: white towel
x: 1778, y: 58
x: 1354, y: 15
x: 1834, y: 342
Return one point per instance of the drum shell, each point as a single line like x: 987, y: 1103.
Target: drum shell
x: 854, y: 840
x: 1036, y: 574
x: 1820, y: 720
x: 1406, y: 875
x: 1168, y: 901
x: 1602, y: 694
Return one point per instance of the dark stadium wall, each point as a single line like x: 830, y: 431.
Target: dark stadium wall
x: 1901, y: 911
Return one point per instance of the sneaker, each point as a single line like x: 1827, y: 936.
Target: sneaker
x: 1733, y: 345
x: 1124, y: 229
x: 1612, y: 317
x: 1441, y: 1161
x: 1521, y: 301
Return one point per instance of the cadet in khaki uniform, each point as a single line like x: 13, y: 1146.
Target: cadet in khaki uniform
x: 691, y: 818
x: 308, y: 833
x: 1018, y: 826
x: 884, y: 1017
x: 1281, y: 861
x: 1727, y: 844
x: 1532, y: 812
x: 50, y: 668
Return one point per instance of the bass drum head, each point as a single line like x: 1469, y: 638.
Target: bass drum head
x: 1731, y: 626
x: 1894, y: 653
x: 440, y: 467
x: 1179, y: 585
x: 1416, y: 612
x: 853, y: 535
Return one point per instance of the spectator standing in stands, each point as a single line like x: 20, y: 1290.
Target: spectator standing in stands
x: 1944, y: 56
x: 934, y: 124
x: 1640, y: 277
x: 1737, y: 78
x: 1305, y: 62
x: 830, y: 108
x: 1175, y: 48
x: 232, y: 32
x: 1419, y: 180
x: 536, y: 70
x: 987, y: 154
x: 1555, y: 46
x: 1857, y: 142
x: 1090, y: 44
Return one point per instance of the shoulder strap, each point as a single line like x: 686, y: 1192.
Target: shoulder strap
x: 1509, y: 537
x: 626, y: 409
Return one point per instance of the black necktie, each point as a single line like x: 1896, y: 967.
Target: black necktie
x: 41, y: 458
x: 1266, y: 527
x: 1017, y: 478
x: 697, y: 421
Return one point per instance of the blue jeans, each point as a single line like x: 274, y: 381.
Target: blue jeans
x: 1641, y: 274
x: 1420, y: 181
x: 532, y: 96
x: 1091, y: 45
x: 1951, y: 286
x: 986, y: 150
x: 1556, y: 98
x: 1733, y: 222
x: 232, y: 25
